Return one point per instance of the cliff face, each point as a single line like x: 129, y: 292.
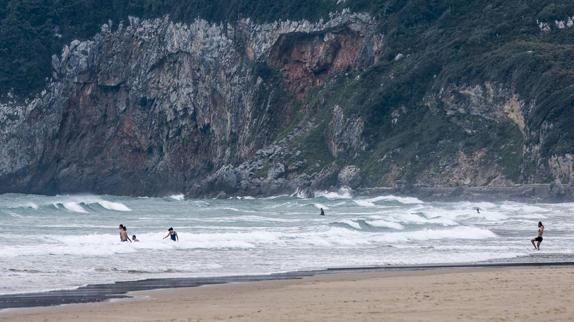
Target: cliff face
x: 157, y: 106
x: 154, y: 106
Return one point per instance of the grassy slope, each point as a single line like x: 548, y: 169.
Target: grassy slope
x: 449, y: 43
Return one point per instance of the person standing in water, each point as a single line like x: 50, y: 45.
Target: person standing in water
x: 124, y: 234
x: 539, y: 238
x: 172, y: 234
x: 322, y: 212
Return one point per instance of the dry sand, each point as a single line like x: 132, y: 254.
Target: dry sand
x: 477, y: 294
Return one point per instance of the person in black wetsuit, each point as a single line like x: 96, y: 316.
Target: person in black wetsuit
x: 171, y: 234
x: 322, y: 212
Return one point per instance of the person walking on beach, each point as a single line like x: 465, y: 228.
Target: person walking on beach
x: 539, y: 238
x: 124, y: 234
x: 172, y: 234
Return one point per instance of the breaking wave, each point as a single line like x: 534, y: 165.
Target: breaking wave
x: 372, y: 202
x: 222, y: 237
x: 76, y: 204
x: 342, y: 193
x: 178, y: 197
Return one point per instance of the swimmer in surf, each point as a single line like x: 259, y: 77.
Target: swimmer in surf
x: 135, y: 239
x: 322, y: 212
x: 124, y: 234
x: 171, y: 234
x: 538, y: 239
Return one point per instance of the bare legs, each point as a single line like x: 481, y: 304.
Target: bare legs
x: 536, y: 245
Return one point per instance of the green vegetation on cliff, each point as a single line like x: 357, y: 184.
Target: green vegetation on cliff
x: 432, y: 47
x: 441, y: 30
x: 32, y: 30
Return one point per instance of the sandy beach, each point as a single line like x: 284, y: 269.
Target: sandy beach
x: 462, y: 294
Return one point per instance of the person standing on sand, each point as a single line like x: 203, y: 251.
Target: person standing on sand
x: 539, y: 238
x: 172, y: 234
x: 124, y: 234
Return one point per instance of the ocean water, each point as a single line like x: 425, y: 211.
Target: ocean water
x: 57, y: 242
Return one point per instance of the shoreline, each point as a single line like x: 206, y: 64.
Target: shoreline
x: 473, y: 293
x: 95, y: 293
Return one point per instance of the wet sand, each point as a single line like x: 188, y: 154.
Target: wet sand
x: 449, y: 294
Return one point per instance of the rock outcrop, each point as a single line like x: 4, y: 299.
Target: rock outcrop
x: 156, y: 106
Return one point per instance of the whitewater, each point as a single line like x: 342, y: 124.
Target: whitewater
x: 63, y: 242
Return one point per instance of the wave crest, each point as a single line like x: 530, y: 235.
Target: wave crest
x: 342, y: 193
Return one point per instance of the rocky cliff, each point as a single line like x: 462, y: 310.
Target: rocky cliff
x: 155, y: 106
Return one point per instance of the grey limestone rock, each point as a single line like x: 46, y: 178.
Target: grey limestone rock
x: 349, y: 176
x: 156, y: 106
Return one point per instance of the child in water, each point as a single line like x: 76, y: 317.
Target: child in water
x: 172, y: 234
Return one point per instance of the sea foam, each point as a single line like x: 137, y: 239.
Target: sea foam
x: 113, y: 205
x: 178, y: 197
x: 224, y: 237
x: 73, y: 207
x: 342, y: 193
